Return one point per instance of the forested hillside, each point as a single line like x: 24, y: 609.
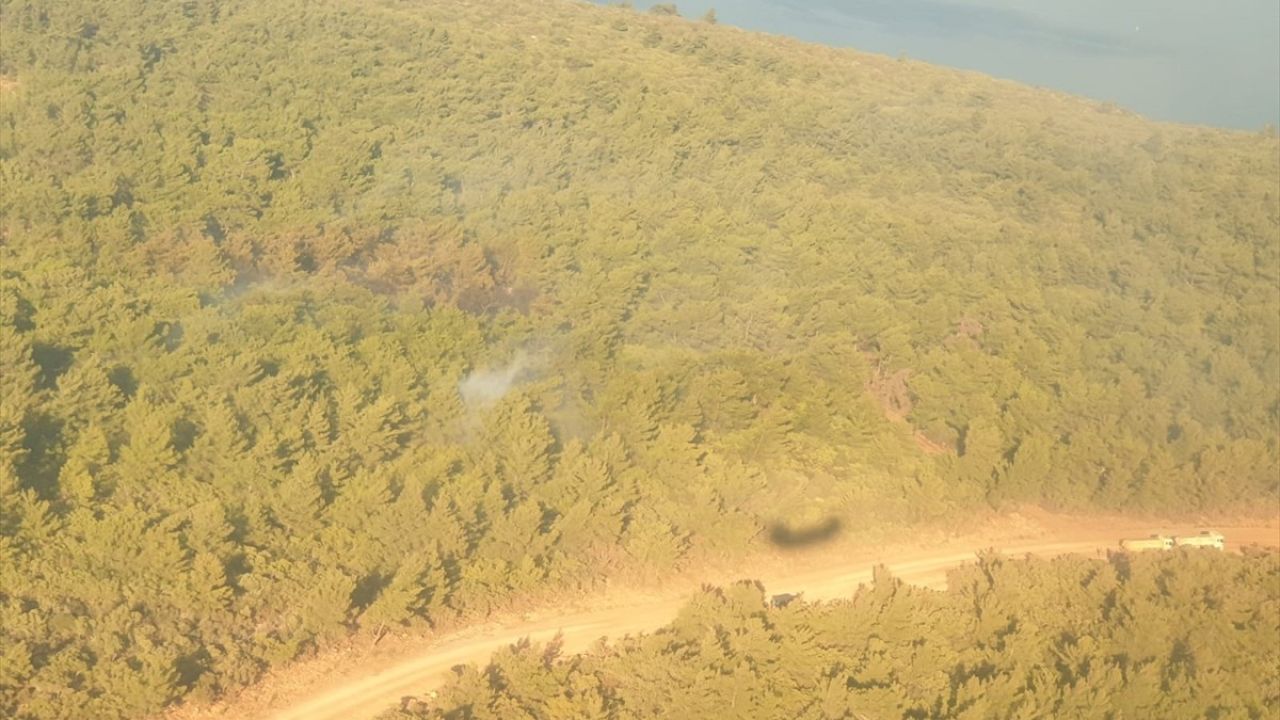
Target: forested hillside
x: 1162, y: 635
x: 321, y: 316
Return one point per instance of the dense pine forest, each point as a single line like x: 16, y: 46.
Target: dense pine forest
x: 1147, y: 636
x: 324, y: 316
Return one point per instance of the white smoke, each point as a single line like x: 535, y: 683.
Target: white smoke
x: 484, y: 387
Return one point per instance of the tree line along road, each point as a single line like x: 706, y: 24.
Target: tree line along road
x: 366, y: 696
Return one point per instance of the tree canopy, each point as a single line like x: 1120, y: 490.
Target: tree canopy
x: 326, y: 316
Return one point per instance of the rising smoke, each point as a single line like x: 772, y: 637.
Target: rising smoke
x: 482, y: 388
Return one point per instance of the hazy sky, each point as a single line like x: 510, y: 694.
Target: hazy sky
x: 1214, y: 62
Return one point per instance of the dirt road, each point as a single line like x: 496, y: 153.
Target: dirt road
x: 366, y: 696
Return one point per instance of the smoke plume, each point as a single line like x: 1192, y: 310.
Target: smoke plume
x: 484, y: 387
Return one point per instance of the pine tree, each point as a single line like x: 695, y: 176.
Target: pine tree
x: 146, y: 465
x: 523, y: 443
x: 82, y: 477
x: 17, y: 395
x: 299, y: 498
x: 325, y: 608
x: 409, y: 593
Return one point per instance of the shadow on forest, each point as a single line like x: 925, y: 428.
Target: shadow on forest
x: 785, y: 536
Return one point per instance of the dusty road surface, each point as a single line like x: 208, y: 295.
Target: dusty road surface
x: 360, y: 696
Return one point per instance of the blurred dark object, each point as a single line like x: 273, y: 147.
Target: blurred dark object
x: 785, y: 536
x: 782, y: 600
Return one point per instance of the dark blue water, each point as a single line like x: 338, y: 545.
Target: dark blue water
x: 1212, y: 62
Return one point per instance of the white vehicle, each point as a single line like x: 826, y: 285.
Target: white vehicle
x: 1206, y: 539
x: 1155, y: 542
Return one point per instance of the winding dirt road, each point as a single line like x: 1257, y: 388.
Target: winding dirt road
x: 364, y: 696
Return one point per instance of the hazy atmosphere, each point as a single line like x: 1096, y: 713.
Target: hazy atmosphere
x: 1181, y: 60
x: 541, y: 359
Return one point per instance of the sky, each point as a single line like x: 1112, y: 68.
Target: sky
x: 1208, y: 62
